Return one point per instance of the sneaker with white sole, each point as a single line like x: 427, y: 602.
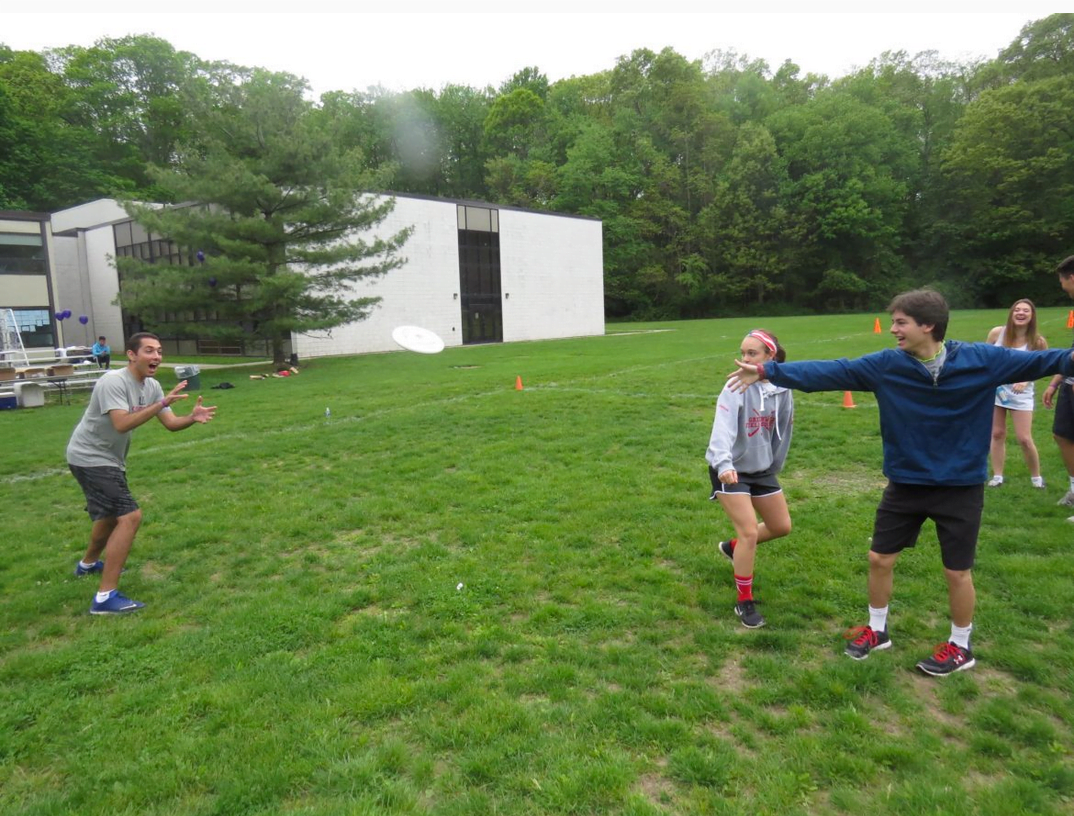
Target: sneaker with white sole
x: 1067, y: 500
x: 95, y: 567
x: 947, y: 659
x: 728, y: 548
x: 1036, y: 486
x: 748, y: 614
x: 116, y: 604
x: 864, y: 640
x: 995, y: 481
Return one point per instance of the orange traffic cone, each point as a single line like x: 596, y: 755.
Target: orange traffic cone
x: 1070, y: 320
x: 848, y: 400
x: 876, y: 326
x: 518, y: 383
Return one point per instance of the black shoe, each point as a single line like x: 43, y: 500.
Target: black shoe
x: 864, y: 640
x: 947, y: 659
x: 728, y: 548
x: 748, y: 614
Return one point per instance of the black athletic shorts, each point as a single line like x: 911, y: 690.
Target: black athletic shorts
x: 1063, y: 422
x: 107, y: 494
x: 956, y: 512
x: 753, y: 485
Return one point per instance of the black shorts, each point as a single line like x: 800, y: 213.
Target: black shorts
x: 107, y: 494
x: 956, y: 511
x: 1063, y: 422
x: 753, y: 485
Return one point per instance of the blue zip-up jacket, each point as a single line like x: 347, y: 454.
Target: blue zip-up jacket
x: 935, y: 432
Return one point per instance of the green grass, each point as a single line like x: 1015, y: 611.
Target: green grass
x: 307, y: 648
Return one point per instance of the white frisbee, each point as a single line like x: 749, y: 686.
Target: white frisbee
x: 415, y: 338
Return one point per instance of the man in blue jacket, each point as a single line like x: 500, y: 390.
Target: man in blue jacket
x: 935, y: 402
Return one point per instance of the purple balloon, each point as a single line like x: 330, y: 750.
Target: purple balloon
x: 83, y: 319
x: 59, y: 315
x: 212, y: 281
x: 200, y: 256
x: 66, y: 314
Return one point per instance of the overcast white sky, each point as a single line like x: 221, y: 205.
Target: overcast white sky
x: 402, y: 51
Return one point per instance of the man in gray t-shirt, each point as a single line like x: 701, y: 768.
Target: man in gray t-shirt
x: 122, y: 400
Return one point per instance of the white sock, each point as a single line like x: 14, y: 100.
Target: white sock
x: 1072, y: 484
x: 1038, y: 481
x: 960, y: 635
x: 104, y: 596
x: 878, y: 619
x: 998, y: 477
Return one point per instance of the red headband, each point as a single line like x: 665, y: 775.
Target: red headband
x: 769, y: 343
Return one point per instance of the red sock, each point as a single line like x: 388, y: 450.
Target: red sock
x: 745, y: 587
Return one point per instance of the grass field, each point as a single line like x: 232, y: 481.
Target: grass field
x: 454, y: 597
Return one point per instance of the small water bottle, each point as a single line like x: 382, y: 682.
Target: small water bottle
x: 327, y: 413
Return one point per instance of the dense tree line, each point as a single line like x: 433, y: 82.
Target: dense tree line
x: 724, y: 186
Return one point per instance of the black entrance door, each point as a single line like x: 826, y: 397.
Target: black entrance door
x: 479, y: 275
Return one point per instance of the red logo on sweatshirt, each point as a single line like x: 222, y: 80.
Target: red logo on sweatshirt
x: 756, y: 423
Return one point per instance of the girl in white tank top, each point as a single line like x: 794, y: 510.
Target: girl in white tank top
x: 1016, y: 399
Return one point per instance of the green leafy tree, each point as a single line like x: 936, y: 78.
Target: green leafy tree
x: 1009, y: 187
x: 461, y: 114
x: 601, y: 179
x: 277, y: 212
x: 847, y: 194
x: 746, y: 226
x: 1043, y: 49
x: 46, y: 162
x: 133, y: 94
x: 924, y: 97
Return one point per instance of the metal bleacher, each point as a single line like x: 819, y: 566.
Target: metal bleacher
x: 27, y: 374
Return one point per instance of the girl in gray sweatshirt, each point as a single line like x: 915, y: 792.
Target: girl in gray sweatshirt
x: 751, y: 434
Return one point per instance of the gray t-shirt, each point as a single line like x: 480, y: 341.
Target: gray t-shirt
x: 96, y: 442
x: 935, y: 365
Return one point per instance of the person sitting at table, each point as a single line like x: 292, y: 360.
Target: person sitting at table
x: 102, y: 353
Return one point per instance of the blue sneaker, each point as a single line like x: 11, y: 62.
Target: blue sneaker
x: 97, y: 566
x: 117, y: 604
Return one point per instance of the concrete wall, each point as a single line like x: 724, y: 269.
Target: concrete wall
x: 92, y: 214
x: 551, y: 274
x: 87, y: 284
x: 422, y: 292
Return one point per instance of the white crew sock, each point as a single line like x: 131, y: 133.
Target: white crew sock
x: 878, y: 619
x: 104, y: 596
x: 1038, y: 481
x: 960, y: 635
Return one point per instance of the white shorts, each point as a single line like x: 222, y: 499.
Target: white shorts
x: 1006, y: 398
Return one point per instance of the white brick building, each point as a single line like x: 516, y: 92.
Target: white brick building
x: 474, y: 273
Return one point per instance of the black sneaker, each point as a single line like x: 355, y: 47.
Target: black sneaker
x: 748, y: 614
x: 947, y: 659
x: 728, y: 548
x: 864, y: 640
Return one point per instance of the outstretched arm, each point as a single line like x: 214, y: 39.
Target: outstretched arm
x: 744, y: 376
x: 124, y: 421
x: 201, y: 414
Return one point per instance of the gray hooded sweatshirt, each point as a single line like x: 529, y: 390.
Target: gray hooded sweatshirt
x: 751, y: 432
